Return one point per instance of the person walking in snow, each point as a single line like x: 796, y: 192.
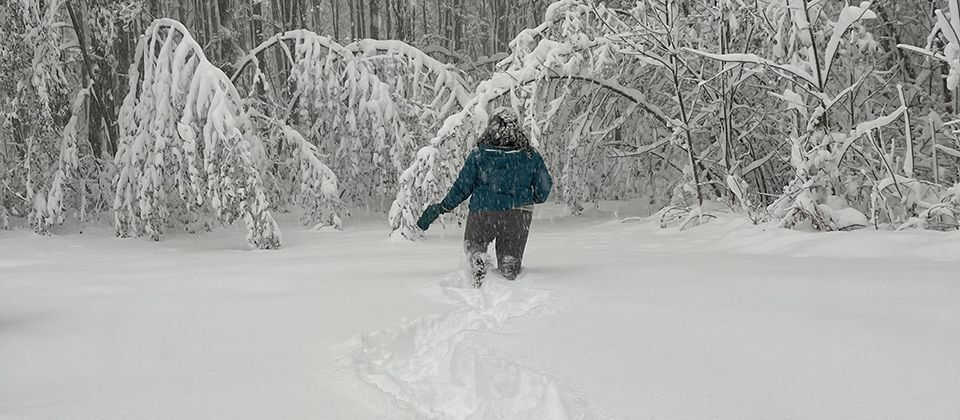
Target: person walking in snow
x: 504, y: 176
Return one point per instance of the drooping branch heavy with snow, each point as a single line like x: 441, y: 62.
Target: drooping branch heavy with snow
x: 187, y: 146
x: 365, y: 103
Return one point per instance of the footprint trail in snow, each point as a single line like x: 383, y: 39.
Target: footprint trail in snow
x: 438, y: 366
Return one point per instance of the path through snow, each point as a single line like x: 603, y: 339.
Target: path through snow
x: 440, y: 366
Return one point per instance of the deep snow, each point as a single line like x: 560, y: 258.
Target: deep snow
x: 610, y: 320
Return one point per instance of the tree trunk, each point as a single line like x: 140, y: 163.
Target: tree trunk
x: 457, y: 26
x: 440, y: 23
x: 361, y: 20
x: 335, y: 9
x: 211, y: 28
x: 181, y: 13
x: 280, y: 60
x: 353, y: 19
x: 503, y: 23
x: 374, y: 8
x: 217, y: 29
x: 448, y: 26
x: 492, y: 34
x: 256, y: 27
x: 402, y: 15
x: 302, y: 13
x: 389, y: 20
x: 99, y: 113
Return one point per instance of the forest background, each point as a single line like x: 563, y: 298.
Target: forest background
x: 160, y: 115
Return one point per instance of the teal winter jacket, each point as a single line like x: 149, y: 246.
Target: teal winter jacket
x: 499, y: 179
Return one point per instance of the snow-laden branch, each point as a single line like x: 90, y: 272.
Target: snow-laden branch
x: 758, y: 163
x: 319, y: 194
x: 645, y: 149
x: 947, y: 29
x: 849, y: 16
x: 417, y: 59
x: 357, y: 101
x: 867, y: 127
x: 952, y: 152
x: 794, y: 73
x: 295, y: 36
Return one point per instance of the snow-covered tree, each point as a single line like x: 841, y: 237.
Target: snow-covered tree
x: 187, y: 146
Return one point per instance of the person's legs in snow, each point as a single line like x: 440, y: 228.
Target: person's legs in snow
x: 477, y: 236
x: 513, y: 229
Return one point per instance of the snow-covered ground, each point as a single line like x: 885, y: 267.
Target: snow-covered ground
x: 610, y: 320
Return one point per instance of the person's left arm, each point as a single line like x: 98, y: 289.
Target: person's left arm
x: 542, y: 181
x: 463, y: 186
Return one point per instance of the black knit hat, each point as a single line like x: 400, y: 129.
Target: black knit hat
x: 504, y: 131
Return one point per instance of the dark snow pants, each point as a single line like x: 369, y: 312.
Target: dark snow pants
x: 509, y: 228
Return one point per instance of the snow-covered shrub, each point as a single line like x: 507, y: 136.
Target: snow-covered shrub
x: 301, y: 178
x: 48, y: 209
x: 34, y: 102
x: 817, y: 147
x: 187, y: 146
x: 898, y: 200
x: 52, y: 114
x: 319, y: 196
x: 925, y: 204
x: 942, y: 214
